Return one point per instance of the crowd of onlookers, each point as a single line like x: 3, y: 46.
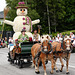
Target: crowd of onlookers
x: 4, y: 42
x: 58, y: 38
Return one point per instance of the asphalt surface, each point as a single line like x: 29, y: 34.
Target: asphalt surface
x: 9, y: 69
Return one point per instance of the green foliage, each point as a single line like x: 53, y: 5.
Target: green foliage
x: 0, y: 28
x: 61, y: 13
x: 63, y: 33
x: 32, y: 15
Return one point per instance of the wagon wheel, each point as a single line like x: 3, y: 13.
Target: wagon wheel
x: 9, y: 58
x: 28, y: 60
x: 20, y: 63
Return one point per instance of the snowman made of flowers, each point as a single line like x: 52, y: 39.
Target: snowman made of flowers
x: 22, y: 21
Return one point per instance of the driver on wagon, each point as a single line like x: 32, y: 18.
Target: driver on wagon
x: 36, y: 36
x: 23, y: 37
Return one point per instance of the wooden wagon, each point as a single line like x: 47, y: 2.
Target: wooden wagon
x: 23, y: 56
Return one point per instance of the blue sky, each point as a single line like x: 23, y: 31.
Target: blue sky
x: 2, y: 5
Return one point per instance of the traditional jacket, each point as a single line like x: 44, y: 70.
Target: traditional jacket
x: 24, y: 38
x: 36, y: 37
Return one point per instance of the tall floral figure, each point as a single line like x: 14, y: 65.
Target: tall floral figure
x: 21, y: 21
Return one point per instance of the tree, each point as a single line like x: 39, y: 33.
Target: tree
x: 61, y: 13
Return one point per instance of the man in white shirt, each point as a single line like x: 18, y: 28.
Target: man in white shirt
x: 59, y: 39
x: 73, y: 41
x: 71, y: 35
x: 10, y: 40
x: 36, y: 36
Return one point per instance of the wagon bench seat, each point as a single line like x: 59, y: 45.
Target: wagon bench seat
x: 26, y: 47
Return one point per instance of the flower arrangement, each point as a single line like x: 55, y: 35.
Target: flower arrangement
x: 21, y: 3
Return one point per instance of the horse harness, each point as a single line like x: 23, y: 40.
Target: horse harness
x: 62, y: 51
x: 42, y: 50
x: 51, y: 50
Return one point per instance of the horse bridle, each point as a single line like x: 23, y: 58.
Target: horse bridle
x: 47, y: 52
x: 70, y: 47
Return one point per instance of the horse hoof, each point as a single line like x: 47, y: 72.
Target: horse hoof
x: 37, y: 72
x: 51, y: 73
x: 53, y: 68
x: 60, y: 70
x: 67, y: 72
x: 57, y: 70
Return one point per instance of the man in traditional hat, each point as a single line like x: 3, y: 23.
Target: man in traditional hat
x: 23, y: 37
x: 36, y: 36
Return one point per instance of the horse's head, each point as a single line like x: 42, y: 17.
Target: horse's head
x: 67, y: 43
x: 45, y: 46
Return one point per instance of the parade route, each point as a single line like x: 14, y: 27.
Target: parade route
x: 9, y: 69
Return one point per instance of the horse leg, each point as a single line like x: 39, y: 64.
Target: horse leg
x: 56, y: 66
x: 67, y: 63
x: 36, y: 63
x: 44, y: 67
x: 52, y: 65
x: 38, y: 67
x: 33, y: 62
x: 62, y: 65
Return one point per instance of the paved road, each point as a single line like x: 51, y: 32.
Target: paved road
x: 8, y: 69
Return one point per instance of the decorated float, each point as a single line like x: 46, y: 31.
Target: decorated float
x: 22, y: 21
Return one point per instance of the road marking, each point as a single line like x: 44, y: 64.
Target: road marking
x: 65, y: 65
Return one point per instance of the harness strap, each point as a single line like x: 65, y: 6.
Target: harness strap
x: 38, y: 53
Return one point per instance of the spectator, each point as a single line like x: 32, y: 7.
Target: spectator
x: 58, y: 35
x: 53, y: 40
x: 6, y: 43
x: 73, y: 42
x: 3, y: 42
x: 0, y: 42
x: 59, y: 39
x: 10, y: 40
x: 71, y: 35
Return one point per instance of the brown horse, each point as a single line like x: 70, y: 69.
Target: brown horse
x: 56, y: 49
x: 43, y: 53
x: 65, y: 54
